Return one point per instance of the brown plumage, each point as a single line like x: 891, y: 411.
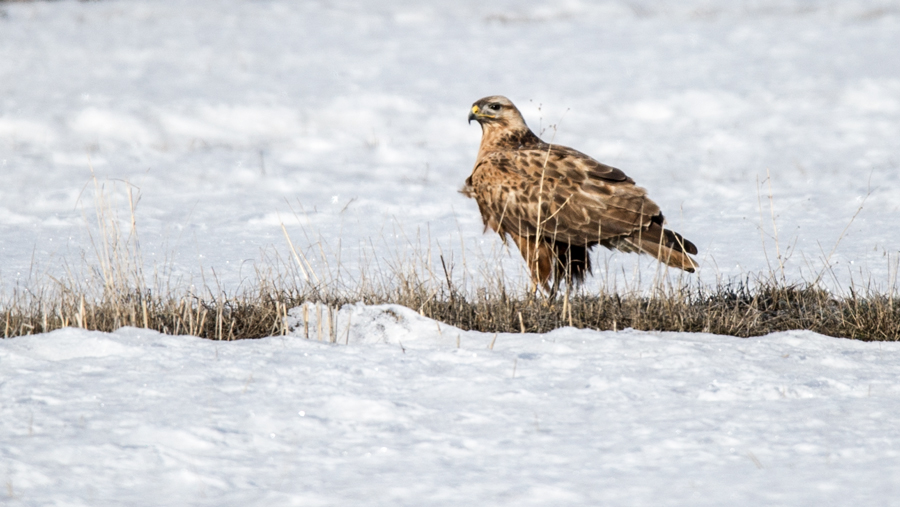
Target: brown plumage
x: 557, y: 203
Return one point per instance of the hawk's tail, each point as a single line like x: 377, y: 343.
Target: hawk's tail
x: 669, y: 256
x: 667, y: 246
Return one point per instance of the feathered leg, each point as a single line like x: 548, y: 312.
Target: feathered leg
x: 573, y: 262
x: 538, y: 257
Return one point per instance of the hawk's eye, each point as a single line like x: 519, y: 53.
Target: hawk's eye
x: 494, y: 106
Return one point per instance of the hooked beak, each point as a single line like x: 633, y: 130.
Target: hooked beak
x: 477, y: 115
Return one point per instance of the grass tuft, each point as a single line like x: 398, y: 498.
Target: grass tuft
x: 112, y: 292
x: 740, y: 309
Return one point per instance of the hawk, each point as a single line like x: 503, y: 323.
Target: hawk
x: 557, y: 203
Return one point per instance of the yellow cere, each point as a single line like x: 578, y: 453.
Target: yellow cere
x: 475, y: 109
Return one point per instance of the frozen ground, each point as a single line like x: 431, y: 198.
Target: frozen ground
x: 401, y: 416
x: 226, y: 115
x: 222, y: 113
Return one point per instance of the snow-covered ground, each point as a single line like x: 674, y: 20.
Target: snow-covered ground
x: 230, y: 116
x: 346, y: 121
x: 401, y: 416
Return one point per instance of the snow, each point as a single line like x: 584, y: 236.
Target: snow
x: 401, y: 416
x: 346, y: 123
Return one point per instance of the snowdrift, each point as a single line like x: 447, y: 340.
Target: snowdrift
x: 413, y: 412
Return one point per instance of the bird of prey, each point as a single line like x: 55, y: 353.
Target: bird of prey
x: 557, y: 203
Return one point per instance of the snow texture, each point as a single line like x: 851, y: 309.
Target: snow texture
x: 346, y: 122
x: 414, y: 412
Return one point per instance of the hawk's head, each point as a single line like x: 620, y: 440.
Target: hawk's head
x: 496, y: 111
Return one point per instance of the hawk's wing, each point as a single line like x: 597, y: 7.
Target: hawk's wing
x: 559, y: 193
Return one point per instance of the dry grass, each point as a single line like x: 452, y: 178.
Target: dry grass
x: 111, y: 291
x: 740, y: 309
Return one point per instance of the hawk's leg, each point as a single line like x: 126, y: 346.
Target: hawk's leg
x: 570, y: 264
x: 539, y: 259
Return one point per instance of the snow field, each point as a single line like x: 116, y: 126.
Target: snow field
x: 229, y: 116
x: 566, y: 418
x: 346, y: 122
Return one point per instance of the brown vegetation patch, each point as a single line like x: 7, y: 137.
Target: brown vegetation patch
x: 738, y: 309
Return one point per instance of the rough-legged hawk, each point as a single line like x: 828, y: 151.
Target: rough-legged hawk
x: 557, y: 203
